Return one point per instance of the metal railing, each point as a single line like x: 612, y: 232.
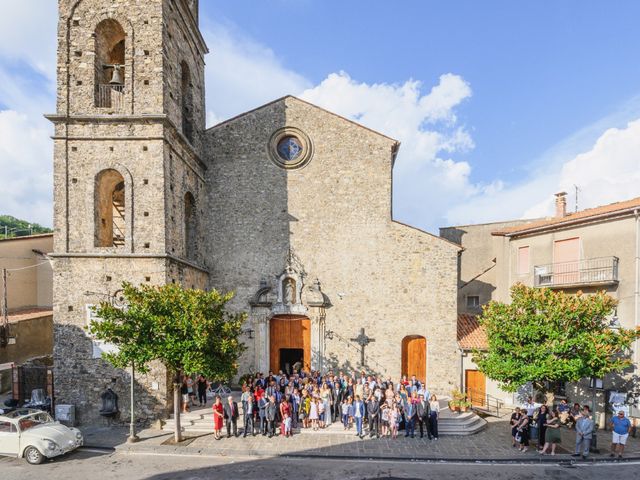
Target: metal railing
x: 110, y: 96
x: 484, y: 402
x: 602, y: 270
x: 118, y: 224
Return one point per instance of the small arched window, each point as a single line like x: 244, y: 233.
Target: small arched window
x: 187, y: 101
x: 190, y: 227
x: 109, y: 64
x: 109, y: 208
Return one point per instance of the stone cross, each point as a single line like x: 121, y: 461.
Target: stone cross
x: 363, y: 341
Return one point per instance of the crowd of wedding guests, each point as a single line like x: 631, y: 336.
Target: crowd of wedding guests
x: 278, y: 404
x: 544, y: 423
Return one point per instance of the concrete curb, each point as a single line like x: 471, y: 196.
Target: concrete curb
x: 564, y: 459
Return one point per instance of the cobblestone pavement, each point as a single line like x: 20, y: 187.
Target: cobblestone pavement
x: 492, y: 443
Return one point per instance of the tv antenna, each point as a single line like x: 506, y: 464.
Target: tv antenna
x: 577, y: 189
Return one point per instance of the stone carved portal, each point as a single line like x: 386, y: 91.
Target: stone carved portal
x: 289, y: 320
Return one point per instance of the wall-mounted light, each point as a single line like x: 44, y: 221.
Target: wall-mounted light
x: 249, y: 332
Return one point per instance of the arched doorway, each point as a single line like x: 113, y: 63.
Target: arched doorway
x: 289, y: 342
x: 414, y: 357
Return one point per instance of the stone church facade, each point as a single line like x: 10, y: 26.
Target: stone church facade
x: 288, y: 205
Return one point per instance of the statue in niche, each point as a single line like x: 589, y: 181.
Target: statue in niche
x: 289, y: 291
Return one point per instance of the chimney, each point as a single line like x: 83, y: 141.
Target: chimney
x: 561, y: 204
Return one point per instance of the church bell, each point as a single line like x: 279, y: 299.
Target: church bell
x: 116, y: 78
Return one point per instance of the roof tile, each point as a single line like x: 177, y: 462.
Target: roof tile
x: 586, y: 215
x: 470, y: 334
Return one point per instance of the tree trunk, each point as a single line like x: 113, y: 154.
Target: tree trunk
x: 177, y: 399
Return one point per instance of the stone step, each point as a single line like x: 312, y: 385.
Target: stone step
x: 449, y: 424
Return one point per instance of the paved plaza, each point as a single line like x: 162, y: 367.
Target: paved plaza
x: 493, y: 443
x: 83, y: 465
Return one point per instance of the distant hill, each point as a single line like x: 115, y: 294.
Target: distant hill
x: 19, y: 228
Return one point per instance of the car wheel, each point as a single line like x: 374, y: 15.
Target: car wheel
x: 33, y: 456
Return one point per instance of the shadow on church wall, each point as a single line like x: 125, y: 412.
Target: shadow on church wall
x: 90, y: 378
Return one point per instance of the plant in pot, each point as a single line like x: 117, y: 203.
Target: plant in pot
x: 457, y: 399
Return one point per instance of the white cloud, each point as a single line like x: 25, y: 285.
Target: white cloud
x: 25, y: 163
x: 242, y: 74
x: 27, y: 90
x: 425, y: 177
x: 28, y: 34
x: 609, y: 171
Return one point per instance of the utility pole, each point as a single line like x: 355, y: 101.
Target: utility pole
x: 132, y: 425
x: 4, y: 329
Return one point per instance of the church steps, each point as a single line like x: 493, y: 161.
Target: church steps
x: 201, y: 422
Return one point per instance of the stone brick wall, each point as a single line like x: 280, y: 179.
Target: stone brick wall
x: 142, y: 22
x: 143, y: 141
x: 183, y: 43
x: 79, y: 378
x: 335, y: 215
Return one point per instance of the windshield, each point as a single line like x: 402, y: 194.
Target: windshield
x: 34, y: 420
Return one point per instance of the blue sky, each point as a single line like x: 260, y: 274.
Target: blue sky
x: 539, y: 71
x: 498, y: 104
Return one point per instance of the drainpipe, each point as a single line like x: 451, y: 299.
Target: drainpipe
x: 462, y: 354
x: 636, y: 293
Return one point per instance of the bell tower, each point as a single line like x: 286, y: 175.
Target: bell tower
x: 128, y: 176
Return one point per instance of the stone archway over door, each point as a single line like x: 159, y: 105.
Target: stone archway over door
x: 414, y: 357
x: 287, y: 333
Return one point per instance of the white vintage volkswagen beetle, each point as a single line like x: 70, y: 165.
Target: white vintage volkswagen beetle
x: 34, y: 435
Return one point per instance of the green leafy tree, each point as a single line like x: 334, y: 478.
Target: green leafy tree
x: 14, y: 227
x: 550, y: 336
x: 188, y: 330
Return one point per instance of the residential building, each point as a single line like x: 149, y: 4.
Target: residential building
x: 26, y: 333
x: 588, y: 251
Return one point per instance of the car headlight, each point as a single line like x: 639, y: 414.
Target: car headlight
x: 51, y: 445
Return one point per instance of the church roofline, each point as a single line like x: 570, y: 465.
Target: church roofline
x: 232, y: 119
x: 453, y: 244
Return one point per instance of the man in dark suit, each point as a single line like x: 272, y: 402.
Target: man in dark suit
x: 231, y: 416
x: 337, y: 398
x: 249, y: 408
x: 262, y: 412
x: 271, y: 411
x: 373, y: 409
x: 410, y: 418
x: 423, y: 410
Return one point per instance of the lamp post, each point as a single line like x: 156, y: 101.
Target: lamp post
x: 132, y: 426
x: 117, y: 300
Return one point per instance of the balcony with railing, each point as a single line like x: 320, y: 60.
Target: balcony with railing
x: 591, y: 271
x: 111, y: 96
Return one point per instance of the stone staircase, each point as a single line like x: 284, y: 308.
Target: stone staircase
x: 200, y: 422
